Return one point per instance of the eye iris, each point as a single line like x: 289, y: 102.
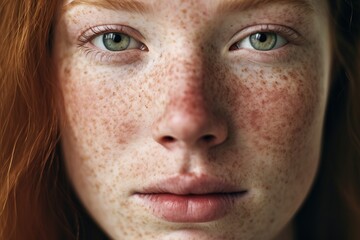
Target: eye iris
x: 116, y: 41
x: 263, y: 41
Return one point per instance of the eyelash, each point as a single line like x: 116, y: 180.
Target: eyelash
x: 290, y: 35
x: 127, y: 56
x: 282, y: 53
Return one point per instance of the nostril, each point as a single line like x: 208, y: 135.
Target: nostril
x: 208, y: 138
x: 167, y: 139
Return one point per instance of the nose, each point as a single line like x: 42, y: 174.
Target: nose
x: 189, y: 120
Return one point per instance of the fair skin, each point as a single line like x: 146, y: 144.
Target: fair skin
x: 190, y: 132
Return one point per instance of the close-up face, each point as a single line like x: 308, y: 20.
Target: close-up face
x: 192, y: 119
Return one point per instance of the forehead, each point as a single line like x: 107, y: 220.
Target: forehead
x: 222, y: 6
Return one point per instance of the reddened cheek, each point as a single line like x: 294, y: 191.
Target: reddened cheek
x: 281, y: 121
x: 275, y: 110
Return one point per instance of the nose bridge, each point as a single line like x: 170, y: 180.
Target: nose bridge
x: 188, y: 94
x: 187, y: 59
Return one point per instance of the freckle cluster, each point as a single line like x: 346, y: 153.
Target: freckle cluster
x: 116, y: 112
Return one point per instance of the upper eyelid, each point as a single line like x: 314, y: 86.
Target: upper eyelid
x: 286, y: 32
x: 92, y: 32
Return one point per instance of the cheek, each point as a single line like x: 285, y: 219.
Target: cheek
x: 99, y: 112
x: 277, y: 109
x: 276, y: 117
x: 98, y: 107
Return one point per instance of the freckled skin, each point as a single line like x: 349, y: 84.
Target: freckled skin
x: 264, y: 111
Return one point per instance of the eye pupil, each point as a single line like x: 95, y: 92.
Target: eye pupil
x: 261, y: 37
x: 114, y: 37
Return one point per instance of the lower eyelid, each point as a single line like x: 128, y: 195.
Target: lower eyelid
x: 99, y: 56
x: 108, y: 57
x: 281, y: 55
x: 289, y: 34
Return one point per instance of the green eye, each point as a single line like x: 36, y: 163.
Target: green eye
x: 263, y: 41
x: 116, y: 41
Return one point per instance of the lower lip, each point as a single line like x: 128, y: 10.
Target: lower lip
x: 190, y: 208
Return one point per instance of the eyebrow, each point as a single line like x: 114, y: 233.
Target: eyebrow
x: 243, y: 5
x: 125, y: 5
x: 224, y: 7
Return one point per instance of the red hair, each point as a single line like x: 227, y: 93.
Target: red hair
x: 28, y: 120
x: 36, y: 201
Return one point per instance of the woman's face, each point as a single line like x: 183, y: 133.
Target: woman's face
x: 193, y: 119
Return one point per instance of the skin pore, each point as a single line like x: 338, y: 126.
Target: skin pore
x: 191, y: 100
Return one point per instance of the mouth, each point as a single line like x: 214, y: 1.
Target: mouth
x: 187, y: 199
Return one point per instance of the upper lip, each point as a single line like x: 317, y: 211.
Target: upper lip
x: 189, y: 184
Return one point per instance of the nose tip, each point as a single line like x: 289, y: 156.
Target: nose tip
x: 194, y: 129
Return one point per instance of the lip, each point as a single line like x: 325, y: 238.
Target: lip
x: 188, y: 198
